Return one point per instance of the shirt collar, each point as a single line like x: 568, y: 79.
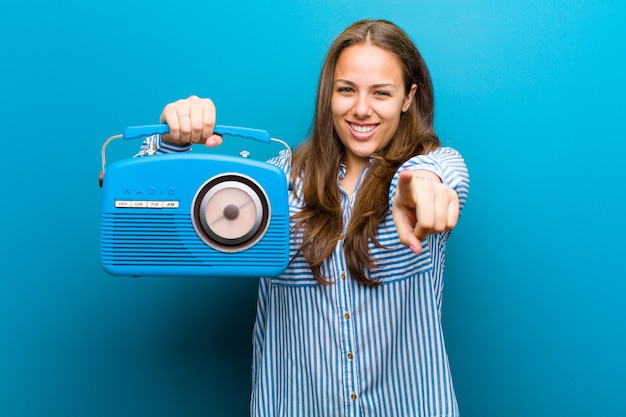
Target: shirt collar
x: 343, y: 169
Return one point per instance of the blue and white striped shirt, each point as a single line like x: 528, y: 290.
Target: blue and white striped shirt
x: 349, y: 350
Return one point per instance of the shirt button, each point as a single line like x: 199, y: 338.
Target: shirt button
x: 343, y: 276
x: 350, y: 356
x: 353, y: 396
x: 347, y: 316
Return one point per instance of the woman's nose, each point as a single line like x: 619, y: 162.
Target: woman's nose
x: 362, y: 107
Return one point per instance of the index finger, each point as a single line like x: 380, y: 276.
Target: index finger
x: 405, y: 189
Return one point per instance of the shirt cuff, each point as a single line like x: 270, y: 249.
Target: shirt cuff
x: 154, y: 145
x: 166, y: 147
x: 446, y: 163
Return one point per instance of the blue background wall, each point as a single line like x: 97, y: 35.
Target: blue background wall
x: 532, y: 92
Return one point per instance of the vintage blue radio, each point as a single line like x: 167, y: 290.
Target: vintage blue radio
x: 194, y: 214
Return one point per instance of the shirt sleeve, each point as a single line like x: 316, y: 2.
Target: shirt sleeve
x: 447, y: 164
x: 282, y: 161
x: 153, y: 145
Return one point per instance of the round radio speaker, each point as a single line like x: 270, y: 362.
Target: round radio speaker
x: 231, y: 212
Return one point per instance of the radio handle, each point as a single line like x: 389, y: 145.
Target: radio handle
x: 134, y: 132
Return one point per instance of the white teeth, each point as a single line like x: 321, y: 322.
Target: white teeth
x: 362, y: 129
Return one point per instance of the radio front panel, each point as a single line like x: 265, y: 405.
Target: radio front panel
x: 194, y: 215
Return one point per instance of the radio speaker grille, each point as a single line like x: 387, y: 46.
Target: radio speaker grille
x: 155, y: 239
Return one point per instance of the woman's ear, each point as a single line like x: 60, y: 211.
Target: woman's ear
x: 409, y: 98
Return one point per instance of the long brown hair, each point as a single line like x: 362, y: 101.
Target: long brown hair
x: 317, y: 161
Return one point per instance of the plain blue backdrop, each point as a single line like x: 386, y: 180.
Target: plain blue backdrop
x: 531, y: 92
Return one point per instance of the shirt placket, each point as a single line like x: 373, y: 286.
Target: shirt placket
x: 346, y: 321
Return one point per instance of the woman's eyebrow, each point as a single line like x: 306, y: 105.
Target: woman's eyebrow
x: 384, y: 85
x: 378, y: 85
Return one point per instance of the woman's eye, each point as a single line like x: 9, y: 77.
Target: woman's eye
x: 345, y: 90
x: 382, y: 93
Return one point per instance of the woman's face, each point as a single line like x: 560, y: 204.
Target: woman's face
x: 367, y: 100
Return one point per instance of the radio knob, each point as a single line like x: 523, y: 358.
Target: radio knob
x: 231, y: 212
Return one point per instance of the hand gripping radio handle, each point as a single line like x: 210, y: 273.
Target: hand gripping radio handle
x: 135, y: 132
x: 256, y: 134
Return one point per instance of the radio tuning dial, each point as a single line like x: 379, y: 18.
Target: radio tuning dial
x: 231, y: 213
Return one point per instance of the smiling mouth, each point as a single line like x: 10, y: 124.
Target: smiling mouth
x: 362, y: 128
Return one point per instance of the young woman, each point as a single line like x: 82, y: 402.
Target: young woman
x: 353, y: 326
